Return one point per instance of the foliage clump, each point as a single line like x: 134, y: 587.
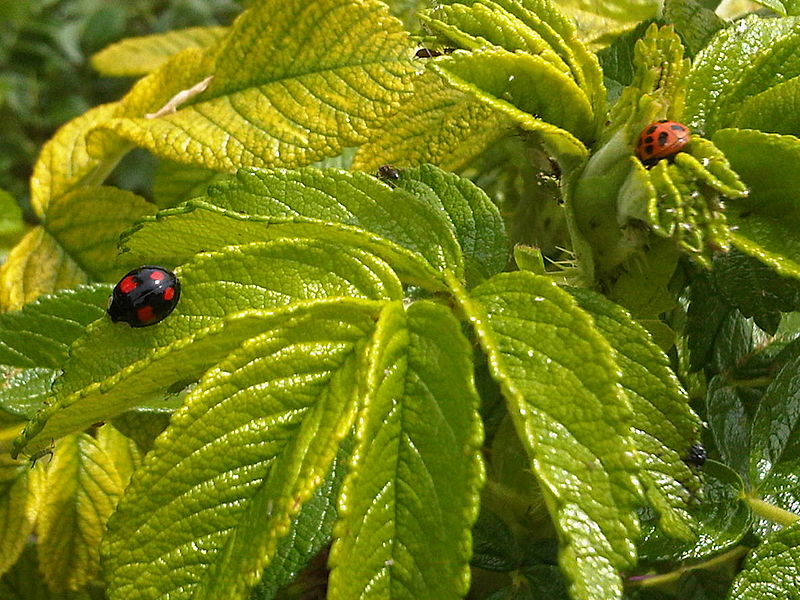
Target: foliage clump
x: 442, y: 332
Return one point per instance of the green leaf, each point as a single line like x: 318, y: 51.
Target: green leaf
x: 25, y: 391
x: 436, y: 124
x: 542, y: 349
x: 34, y: 343
x: 143, y: 426
x: 309, y: 532
x: 114, y: 367
x: 717, y: 68
x: 764, y: 222
x: 764, y: 161
x: 11, y: 225
x: 693, y: 22
x: 775, y: 434
x: 494, y: 547
x: 411, y: 496
x: 141, y: 55
x: 704, y: 318
x: 723, y: 519
x: 175, y: 183
x: 248, y: 449
x: 778, y: 6
x: 83, y: 488
x: 475, y: 221
x: 776, y: 64
x: 774, y: 110
x: 753, y: 287
x: 410, y: 233
x: 530, y: 83
x: 25, y: 582
x: 40, y: 334
x: 729, y: 408
x: 292, y: 83
x: 646, y: 292
x: 772, y: 567
x: 20, y: 487
x: 617, y: 60
x: 665, y: 427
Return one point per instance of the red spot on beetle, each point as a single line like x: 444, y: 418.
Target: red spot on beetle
x: 169, y: 293
x: 156, y: 275
x: 127, y: 285
x: 145, y: 314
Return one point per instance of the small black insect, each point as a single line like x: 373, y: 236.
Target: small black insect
x: 696, y: 456
x: 427, y: 53
x: 388, y: 173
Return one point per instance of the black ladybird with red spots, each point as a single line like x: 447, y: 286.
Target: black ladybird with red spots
x: 662, y: 139
x: 144, y: 296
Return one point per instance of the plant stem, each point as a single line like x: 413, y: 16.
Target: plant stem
x: 673, y: 576
x: 771, y: 512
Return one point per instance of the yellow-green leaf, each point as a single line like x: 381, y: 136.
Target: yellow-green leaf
x: 120, y: 450
x: 19, y: 490
x: 528, y: 82
x: 37, y: 265
x: 83, y: 488
x: 559, y: 143
x: 141, y: 55
x: 411, y: 495
x: 76, y: 243
x: 437, y: 124
x: 561, y: 386
x: 292, y: 82
x: 66, y: 161
x: 599, y: 22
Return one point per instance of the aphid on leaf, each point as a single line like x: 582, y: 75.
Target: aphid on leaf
x: 42, y: 453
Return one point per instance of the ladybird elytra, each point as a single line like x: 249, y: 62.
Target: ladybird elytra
x: 144, y: 296
x: 660, y: 140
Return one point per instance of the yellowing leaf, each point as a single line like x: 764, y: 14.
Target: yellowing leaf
x: 36, y: 266
x: 19, y: 486
x: 437, y: 124
x: 66, y: 163
x: 76, y: 243
x: 83, y: 488
x: 141, y: 55
x: 293, y: 82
